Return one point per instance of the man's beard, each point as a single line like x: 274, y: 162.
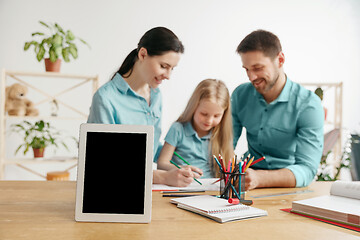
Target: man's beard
x: 272, y: 83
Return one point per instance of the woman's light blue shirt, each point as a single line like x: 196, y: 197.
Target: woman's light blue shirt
x: 193, y: 149
x: 116, y: 103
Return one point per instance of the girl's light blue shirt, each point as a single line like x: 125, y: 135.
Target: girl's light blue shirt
x: 193, y: 149
x: 116, y: 103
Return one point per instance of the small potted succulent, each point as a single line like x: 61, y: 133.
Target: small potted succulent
x: 38, y: 136
x: 51, y: 47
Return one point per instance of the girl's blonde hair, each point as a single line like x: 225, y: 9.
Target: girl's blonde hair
x: 222, y: 136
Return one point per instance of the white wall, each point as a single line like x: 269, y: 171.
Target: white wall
x: 320, y: 40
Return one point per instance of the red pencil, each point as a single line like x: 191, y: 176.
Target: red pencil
x: 217, y: 181
x: 222, y: 163
x: 245, y: 162
x: 257, y: 160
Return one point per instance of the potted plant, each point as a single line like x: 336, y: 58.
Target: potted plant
x: 59, y: 43
x: 320, y: 93
x: 37, y: 136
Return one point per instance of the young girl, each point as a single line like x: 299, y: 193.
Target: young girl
x: 203, y: 129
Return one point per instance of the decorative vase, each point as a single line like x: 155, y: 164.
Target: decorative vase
x: 38, y: 152
x: 52, y: 66
x: 325, y: 112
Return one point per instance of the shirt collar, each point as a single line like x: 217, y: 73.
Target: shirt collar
x: 124, y: 87
x: 284, y: 95
x: 189, y: 131
x: 120, y: 83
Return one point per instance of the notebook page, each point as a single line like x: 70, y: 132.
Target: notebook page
x: 206, y: 185
x: 209, y: 204
x: 346, y: 189
x: 228, y: 216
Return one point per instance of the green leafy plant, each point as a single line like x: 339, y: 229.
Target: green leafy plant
x: 38, y: 135
x: 319, y: 92
x: 58, y: 43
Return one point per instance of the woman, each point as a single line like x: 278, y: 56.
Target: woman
x: 132, y: 96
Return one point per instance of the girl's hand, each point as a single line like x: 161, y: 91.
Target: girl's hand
x: 179, y: 177
x: 196, y: 171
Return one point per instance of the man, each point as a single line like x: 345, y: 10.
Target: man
x: 283, y: 121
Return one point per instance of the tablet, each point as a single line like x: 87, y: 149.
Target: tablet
x: 114, y: 173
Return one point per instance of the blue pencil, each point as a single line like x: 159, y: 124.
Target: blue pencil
x: 218, y: 163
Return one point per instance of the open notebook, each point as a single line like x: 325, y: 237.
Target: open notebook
x: 217, y: 209
x: 342, y: 205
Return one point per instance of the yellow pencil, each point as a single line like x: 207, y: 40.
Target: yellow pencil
x: 248, y: 164
x: 244, y: 163
x: 233, y: 163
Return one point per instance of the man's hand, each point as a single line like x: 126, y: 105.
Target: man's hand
x: 269, y: 178
x: 251, y: 179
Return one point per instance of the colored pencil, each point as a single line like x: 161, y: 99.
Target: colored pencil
x: 216, y: 181
x: 181, y: 158
x: 218, y: 163
x: 258, y: 160
x: 249, y: 164
x: 245, y: 161
x: 222, y: 163
x: 182, y: 195
x: 183, y: 191
x: 233, y: 163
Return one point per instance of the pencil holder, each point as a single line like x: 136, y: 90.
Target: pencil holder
x: 232, y: 185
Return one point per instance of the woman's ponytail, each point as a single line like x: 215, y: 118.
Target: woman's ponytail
x: 128, y: 64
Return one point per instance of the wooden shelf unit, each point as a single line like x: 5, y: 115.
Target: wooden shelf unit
x: 337, y: 121
x: 17, y: 76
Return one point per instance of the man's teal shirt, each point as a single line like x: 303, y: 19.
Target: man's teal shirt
x: 288, y: 131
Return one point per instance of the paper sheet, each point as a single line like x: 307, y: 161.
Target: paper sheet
x: 206, y: 185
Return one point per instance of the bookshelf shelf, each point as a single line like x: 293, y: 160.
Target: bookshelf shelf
x: 29, y: 80
x: 336, y: 119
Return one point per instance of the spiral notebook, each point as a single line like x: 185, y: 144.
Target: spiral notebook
x: 217, y: 209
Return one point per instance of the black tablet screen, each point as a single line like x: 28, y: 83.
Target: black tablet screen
x: 114, y: 180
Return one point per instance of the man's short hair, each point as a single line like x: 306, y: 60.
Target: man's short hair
x: 260, y: 40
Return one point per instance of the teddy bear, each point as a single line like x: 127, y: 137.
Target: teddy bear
x: 16, y: 104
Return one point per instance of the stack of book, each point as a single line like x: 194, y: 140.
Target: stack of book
x: 341, y: 206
